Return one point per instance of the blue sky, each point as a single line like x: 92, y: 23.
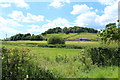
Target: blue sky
x: 36, y: 17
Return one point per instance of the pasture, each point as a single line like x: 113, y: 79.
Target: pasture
x: 73, y: 36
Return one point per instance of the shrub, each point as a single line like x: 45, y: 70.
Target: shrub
x: 105, y: 55
x: 18, y: 62
x: 56, y: 40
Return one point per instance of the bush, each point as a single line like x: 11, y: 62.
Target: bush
x: 56, y: 40
x: 18, y: 63
x: 105, y: 55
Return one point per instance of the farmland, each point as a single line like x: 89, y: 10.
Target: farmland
x: 73, y: 36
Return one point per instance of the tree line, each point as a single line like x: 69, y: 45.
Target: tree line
x: 75, y: 29
x: 27, y: 36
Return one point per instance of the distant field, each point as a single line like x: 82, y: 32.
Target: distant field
x: 80, y: 43
x: 25, y: 41
x: 84, y: 35
x: 63, y: 35
x: 83, y: 43
x: 72, y: 36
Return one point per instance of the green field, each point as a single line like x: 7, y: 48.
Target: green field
x: 81, y: 43
x: 69, y: 64
x: 73, y: 36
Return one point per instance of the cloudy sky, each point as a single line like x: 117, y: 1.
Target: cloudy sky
x: 36, y: 16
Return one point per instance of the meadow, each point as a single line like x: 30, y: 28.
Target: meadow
x: 66, y: 63
x: 73, y: 36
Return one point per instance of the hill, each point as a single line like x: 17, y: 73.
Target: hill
x: 71, y: 33
x: 73, y: 36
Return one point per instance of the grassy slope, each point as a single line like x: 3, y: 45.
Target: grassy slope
x: 72, y: 36
x: 85, y: 35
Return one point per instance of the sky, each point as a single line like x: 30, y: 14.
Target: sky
x: 37, y: 16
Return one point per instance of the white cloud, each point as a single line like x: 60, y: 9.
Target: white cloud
x: 107, y: 2
x: 8, y: 22
x: 59, y: 22
x: 90, y: 18
x: 87, y: 19
x: 18, y: 3
x: 59, y: 3
x: 18, y: 16
x: 5, y: 5
x: 96, y: 10
x: 110, y: 14
x: 79, y: 9
x: 35, y: 29
x: 8, y: 26
x: 22, y: 4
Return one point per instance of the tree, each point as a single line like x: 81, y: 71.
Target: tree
x: 111, y: 33
x: 38, y: 38
x: 44, y: 33
x: 65, y: 30
x: 56, y: 40
x: 25, y: 37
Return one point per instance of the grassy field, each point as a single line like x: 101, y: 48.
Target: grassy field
x: 82, y: 43
x: 84, y: 35
x: 79, y: 43
x: 72, y: 36
x: 66, y: 63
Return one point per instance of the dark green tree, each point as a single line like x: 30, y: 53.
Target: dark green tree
x: 111, y: 33
x: 56, y: 40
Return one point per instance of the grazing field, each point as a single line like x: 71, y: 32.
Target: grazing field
x: 66, y: 63
x: 84, y: 35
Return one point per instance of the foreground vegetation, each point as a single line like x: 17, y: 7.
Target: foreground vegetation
x: 68, y: 61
